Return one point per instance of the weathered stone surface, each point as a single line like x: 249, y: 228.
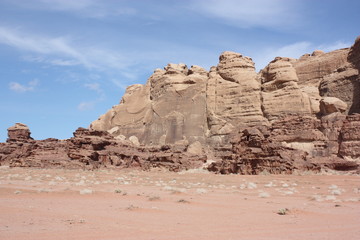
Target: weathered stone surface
x: 354, y: 54
x: 331, y: 126
x: 90, y: 149
x: 311, y: 69
x: 332, y: 104
x: 354, y: 59
x: 293, y: 144
x: 292, y: 115
x: 281, y: 94
x: 195, y: 149
x: 344, y: 84
x: 350, y: 137
x: 233, y: 97
x: 169, y: 108
x: 254, y: 153
x: 181, y: 105
x: 18, y: 132
x: 134, y: 140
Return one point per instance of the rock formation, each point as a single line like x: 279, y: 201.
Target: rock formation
x: 208, y: 106
x: 170, y: 108
x: 90, y: 149
x: 295, y: 114
x: 281, y: 94
x: 18, y: 132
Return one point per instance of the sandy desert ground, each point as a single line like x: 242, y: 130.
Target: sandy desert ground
x: 129, y: 204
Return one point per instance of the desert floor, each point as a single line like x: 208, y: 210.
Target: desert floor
x: 129, y: 204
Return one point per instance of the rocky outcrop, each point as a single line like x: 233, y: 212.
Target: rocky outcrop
x: 344, y: 81
x: 294, y: 144
x: 233, y: 97
x: 91, y: 149
x: 19, y: 132
x: 253, y: 152
x: 178, y: 105
x: 311, y: 68
x: 281, y: 94
x: 168, y: 109
x: 350, y: 137
x: 330, y: 105
x: 354, y: 54
x: 343, y: 84
x: 294, y: 115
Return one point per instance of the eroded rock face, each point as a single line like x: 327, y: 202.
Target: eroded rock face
x: 330, y: 105
x: 281, y: 94
x: 343, y: 84
x: 91, y: 149
x: 293, y: 144
x: 354, y: 54
x: 178, y: 105
x: 301, y: 102
x: 312, y: 68
x: 168, y: 109
x: 18, y: 132
x: 233, y: 97
x: 350, y: 137
x: 295, y: 114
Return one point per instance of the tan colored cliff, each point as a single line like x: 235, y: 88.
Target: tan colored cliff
x: 178, y: 105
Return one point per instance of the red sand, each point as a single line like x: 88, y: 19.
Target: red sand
x: 69, y: 204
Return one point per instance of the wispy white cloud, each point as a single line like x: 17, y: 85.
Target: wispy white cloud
x: 64, y: 62
x: 43, y: 45
x: 100, y: 93
x: 97, y: 88
x: 66, y: 4
x: 21, y: 88
x: 61, y: 51
x: 51, y: 61
x: 93, y: 86
x: 334, y: 46
x: 111, y: 62
x: 83, y: 8
x: 251, y: 13
x: 85, y: 106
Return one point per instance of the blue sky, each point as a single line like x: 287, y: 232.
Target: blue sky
x: 66, y: 62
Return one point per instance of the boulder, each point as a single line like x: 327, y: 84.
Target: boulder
x: 195, y: 149
x: 330, y: 105
x: 134, y: 140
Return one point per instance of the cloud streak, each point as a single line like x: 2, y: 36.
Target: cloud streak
x: 86, y: 106
x: 250, y: 13
x: 42, y: 45
x: 90, y: 105
x: 21, y: 88
x: 61, y: 51
x: 81, y: 8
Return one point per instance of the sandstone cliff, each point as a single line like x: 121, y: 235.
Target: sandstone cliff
x: 295, y: 114
x: 181, y: 105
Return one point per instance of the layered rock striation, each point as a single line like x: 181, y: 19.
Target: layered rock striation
x: 295, y: 114
x: 188, y: 105
x: 91, y: 149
